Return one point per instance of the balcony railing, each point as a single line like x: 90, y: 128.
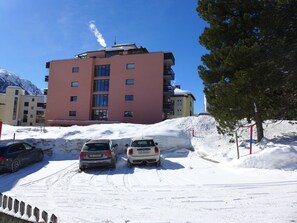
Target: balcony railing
x: 168, y: 107
x: 168, y: 89
x: 169, y: 74
x: 46, y: 78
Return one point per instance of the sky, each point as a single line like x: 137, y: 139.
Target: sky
x: 36, y: 31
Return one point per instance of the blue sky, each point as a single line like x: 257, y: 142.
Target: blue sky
x: 36, y: 31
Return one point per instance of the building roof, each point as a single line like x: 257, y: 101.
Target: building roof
x: 180, y: 92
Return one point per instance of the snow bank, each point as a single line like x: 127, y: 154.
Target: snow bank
x: 277, y: 151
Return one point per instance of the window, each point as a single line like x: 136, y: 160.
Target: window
x: 130, y: 66
x: 41, y: 105
x: 100, y: 100
x: 25, y: 117
x: 179, y: 112
x: 33, y: 99
x: 73, y: 98
x: 101, y: 85
x: 100, y: 114
x: 129, y: 97
x: 16, y: 92
x: 75, y: 69
x: 102, y: 70
x: 26, y: 104
x: 39, y: 117
x: 179, y: 102
x: 25, y: 112
x: 32, y: 107
x: 72, y: 113
x: 130, y: 82
x: 74, y: 84
x: 15, y: 107
x: 128, y: 114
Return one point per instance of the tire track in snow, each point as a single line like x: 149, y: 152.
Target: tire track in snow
x: 48, y: 176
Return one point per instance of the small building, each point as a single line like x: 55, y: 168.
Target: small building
x: 124, y: 83
x: 16, y: 108
x: 183, y: 103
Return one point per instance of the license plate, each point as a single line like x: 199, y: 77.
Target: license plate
x: 95, y: 156
x: 144, y: 152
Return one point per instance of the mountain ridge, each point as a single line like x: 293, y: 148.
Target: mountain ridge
x: 8, y: 78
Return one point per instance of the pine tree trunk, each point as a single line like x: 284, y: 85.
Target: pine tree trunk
x: 259, y: 125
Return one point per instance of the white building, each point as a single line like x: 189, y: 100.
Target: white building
x: 16, y: 108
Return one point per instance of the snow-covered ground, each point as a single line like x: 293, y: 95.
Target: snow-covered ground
x: 200, y: 178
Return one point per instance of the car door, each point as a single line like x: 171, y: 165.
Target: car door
x: 29, y: 153
x: 17, y: 151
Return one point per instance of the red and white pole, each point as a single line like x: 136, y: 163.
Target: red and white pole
x: 251, y: 139
x: 0, y: 128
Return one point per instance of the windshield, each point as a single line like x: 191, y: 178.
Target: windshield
x: 96, y: 147
x: 142, y: 143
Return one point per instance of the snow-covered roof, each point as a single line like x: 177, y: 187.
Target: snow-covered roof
x: 180, y: 92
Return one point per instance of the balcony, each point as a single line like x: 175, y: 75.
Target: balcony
x: 168, y: 90
x: 45, y: 91
x: 46, y: 78
x: 168, y: 107
x: 169, y: 74
x: 169, y: 59
x: 47, y: 65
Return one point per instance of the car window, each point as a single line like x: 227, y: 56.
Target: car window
x: 96, y: 147
x: 27, y: 146
x: 16, y: 148
x: 142, y: 143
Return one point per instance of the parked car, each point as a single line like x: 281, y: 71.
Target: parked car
x: 98, y: 153
x: 143, y: 150
x: 14, y: 155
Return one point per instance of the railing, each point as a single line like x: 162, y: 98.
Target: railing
x: 18, y: 210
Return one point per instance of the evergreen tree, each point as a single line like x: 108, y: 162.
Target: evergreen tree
x: 251, y: 68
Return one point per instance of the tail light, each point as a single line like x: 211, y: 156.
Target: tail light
x: 130, y: 152
x: 108, y: 154
x: 2, y: 158
x: 156, y: 150
x: 82, y: 155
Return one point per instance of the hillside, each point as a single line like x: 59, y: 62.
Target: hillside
x: 12, y: 79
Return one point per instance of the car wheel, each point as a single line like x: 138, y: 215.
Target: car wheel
x: 40, y: 156
x: 15, y: 165
x: 129, y: 164
x: 82, y: 168
x: 158, y: 163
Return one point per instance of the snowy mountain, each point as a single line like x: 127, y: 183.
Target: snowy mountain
x: 11, y: 79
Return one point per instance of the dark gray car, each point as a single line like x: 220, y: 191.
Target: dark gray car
x: 98, y: 153
x: 14, y: 155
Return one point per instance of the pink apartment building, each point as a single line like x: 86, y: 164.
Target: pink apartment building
x: 123, y: 83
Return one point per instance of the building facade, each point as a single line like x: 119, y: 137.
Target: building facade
x: 16, y: 108
x: 183, y: 103
x: 123, y: 83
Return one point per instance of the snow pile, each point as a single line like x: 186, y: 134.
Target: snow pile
x: 191, y: 134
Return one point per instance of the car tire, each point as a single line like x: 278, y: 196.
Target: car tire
x: 82, y: 168
x: 129, y: 164
x: 15, y: 165
x: 40, y: 156
x: 158, y: 163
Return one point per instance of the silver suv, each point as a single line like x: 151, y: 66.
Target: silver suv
x: 98, y: 153
x: 143, y: 150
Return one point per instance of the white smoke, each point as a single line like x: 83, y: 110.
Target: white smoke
x: 97, y: 34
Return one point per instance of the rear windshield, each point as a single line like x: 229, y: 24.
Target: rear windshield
x: 142, y: 143
x: 96, y: 147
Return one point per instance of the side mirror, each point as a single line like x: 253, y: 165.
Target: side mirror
x: 156, y: 143
x: 127, y: 145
